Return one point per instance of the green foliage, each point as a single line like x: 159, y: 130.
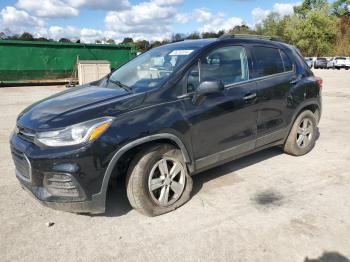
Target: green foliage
x: 142, y: 45
x: 177, y: 37
x: 64, y: 40
x: 128, y: 40
x: 110, y: 41
x: 341, y: 8
x: 316, y: 28
x: 24, y: 37
x: 194, y: 35
x: 42, y: 39
x: 310, y: 5
x: 273, y: 25
x: 314, y: 35
x: 213, y: 34
x: 241, y: 29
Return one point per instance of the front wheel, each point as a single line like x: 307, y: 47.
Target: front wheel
x: 302, y: 136
x: 158, y: 181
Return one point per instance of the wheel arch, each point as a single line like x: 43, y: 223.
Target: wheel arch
x: 313, y: 106
x: 162, y: 138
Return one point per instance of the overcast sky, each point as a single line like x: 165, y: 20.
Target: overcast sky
x: 148, y: 19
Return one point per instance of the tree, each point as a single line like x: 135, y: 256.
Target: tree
x: 314, y: 35
x: 177, y: 37
x: 64, y: 40
x: 110, y: 41
x: 193, y: 35
x: 42, y: 39
x: 273, y: 25
x: 2, y: 35
x: 313, y: 28
x: 142, y: 45
x: 156, y: 44
x: 341, y: 8
x: 128, y: 40
x: 241, y: 29
x: 26, y: 37
x: 213, y: 34
x: 310, y: 5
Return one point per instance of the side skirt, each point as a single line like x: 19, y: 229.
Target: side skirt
x: 229, y: 155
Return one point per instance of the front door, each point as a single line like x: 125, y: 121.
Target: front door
x: 223, y: 124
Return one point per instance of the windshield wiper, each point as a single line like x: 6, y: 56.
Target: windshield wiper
x: 118, y: 83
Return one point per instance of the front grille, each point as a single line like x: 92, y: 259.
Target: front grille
x: 25, y: 133
x: 22, y: 164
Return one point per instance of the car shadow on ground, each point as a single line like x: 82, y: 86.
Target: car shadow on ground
x: 329, y: 257
x: 204, y: 177
x: 118, y: 204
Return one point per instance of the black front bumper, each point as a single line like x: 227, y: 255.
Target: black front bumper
x: 68, y: 180
x: 94, y: 206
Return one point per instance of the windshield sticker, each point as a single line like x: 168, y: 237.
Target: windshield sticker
x: 181, y: 52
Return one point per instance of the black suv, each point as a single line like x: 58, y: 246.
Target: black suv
x: 166, y: 115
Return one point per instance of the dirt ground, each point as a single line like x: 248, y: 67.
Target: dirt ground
x: 265, y: 207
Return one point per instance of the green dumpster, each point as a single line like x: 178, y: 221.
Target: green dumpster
x: 32, y: 61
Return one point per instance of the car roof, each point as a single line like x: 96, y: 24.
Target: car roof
x: 200, y: 43
x: 193, y: 43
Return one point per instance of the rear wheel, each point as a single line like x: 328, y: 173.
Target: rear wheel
x: 158, y: 181
x: 302, y: 136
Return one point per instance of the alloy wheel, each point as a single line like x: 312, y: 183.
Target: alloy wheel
x: 166, y: 181
x: 304, y: 133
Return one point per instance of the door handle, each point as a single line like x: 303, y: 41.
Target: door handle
x: 249, y: 96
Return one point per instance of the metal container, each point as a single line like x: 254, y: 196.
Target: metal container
x: 32, y: 61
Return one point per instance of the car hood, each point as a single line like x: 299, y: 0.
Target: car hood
x: 77, y: 105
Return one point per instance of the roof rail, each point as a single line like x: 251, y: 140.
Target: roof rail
x: 247, y: 36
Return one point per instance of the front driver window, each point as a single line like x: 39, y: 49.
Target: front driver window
x: 228, y: 64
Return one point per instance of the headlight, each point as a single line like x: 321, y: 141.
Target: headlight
x: 75, y: 134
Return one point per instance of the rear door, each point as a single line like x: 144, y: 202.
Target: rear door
x: 275, y: 75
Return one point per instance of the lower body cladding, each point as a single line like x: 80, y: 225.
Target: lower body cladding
x: 57, y: 183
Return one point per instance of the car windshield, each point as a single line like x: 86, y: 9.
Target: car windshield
x: 340, y: 58
x: 151, y: 69
x: 322, y: 59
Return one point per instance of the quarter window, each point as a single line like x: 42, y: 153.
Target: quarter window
x: 228, y: 64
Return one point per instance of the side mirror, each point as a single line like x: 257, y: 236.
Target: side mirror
x: 210, y: 87
x: 206, y: 88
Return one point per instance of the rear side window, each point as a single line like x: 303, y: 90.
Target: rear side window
x: 288, y: 65
x: 268, y: 61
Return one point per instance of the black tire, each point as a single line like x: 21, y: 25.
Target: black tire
x: 137, y: 181
x: 291, y: 145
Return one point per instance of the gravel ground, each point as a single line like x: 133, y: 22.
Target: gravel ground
x: 265, y: 207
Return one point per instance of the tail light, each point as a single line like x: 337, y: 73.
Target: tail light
x: 319, y: 82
